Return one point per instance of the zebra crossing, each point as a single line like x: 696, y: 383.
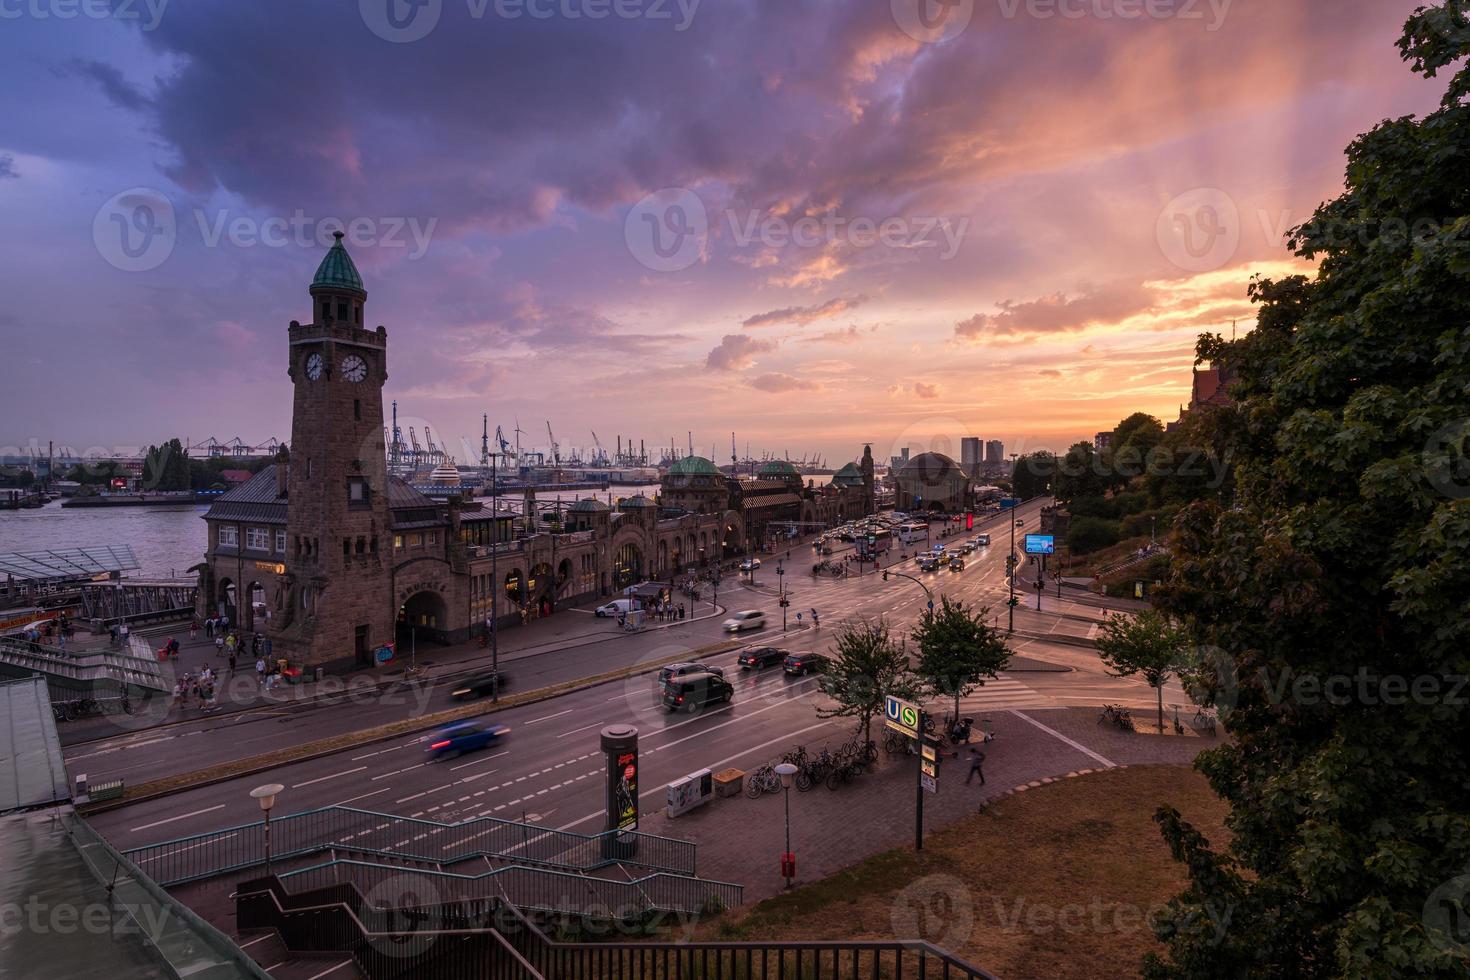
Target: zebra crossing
x: 1001, y: 694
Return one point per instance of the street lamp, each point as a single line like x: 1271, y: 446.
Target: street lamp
x: 781, y: 590
x: 266, y: 795
x: 787, y: 772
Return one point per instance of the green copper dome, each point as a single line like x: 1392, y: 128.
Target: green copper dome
x: 849, y: 476
x: 337, y: 270
x: 693, y: 466
x: 778, y: 468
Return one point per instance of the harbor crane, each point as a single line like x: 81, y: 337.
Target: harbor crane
x: 555, y: 450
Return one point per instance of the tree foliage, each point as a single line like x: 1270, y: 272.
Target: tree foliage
x: 1033, y: 474
x: 1147, y: 644
x: 958, y: 650
x: 1345, y: 557
x: 867, y: 664
x: 166, y: 467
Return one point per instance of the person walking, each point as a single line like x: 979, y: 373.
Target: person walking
x: 194, y: 628
x: 219, y: 647
x: 232, y: 665
x: 977, y: 763
x: 260, y: 671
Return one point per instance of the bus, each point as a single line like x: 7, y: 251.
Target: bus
x: 874, y: 542
x: 913, y: 531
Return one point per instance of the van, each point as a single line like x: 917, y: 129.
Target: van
x: 691, y: 692
x: 617, y: 606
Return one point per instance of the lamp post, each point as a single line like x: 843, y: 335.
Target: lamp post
x: 266, y: 795
x: 787, y: 772
x: 781, y: 591
x: 495, y: 584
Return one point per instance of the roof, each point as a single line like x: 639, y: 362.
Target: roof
x: 778, y: 468
x: 32, y: 773
x: 235, y: 476
x: 67, y: 563
x: 771, y: 500
x: 587, y: 505
x: 694, y: 466
x: 932, y: 468
x: 849, y: 475
x: 636, y: 501
x: 255, y: 501
x: 337, y: 270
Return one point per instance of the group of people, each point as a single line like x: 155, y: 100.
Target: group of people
x: 200, y: 688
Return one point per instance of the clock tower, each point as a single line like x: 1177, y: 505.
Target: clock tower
x: 336, y: 608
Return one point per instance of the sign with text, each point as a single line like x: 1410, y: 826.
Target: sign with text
x: 901, y: 716
x: 1040, y: 544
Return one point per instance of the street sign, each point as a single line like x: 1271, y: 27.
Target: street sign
x: 929, y: 752
x: 929, y: 783
x: 929, y: 767
x: 1009, y: 502
x: 901, y: 716
x: 1040, y: 544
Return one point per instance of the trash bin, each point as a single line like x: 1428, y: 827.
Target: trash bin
x: 318, y: 673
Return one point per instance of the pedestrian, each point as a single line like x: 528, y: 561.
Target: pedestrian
x: 266, y: 646
x: 977, y: 761
x: 194, y: 628
x: 232, y: 665
x: 681, y: 610
x: 255, y: 644
x: 260, y: 671
x: 219, y: 647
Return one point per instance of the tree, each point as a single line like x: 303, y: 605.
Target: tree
x: 1034, y: 474
x: 1132, y: 447
x: 1079, y: 474
x: 166, y: 467
x: 1147, y: 644
x: 1330, y: 595
x: 958, y: 650
x: 867, y: 666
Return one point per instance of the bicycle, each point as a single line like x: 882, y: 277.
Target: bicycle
x: 764, y: 780
x: 844, y: 774
x: 815, y: 771
x: 895, y: 744
x: 1117, y: 715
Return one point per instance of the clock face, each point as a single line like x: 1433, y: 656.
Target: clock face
x: 314, y: 367
x: 354, y: 368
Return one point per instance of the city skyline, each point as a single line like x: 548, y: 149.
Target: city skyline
x: 634, y: 242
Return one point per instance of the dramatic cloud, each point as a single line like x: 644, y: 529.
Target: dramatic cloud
x: 851, y: 335
x: 1059, y: 313
x: 737, y: 352
x: 802, y: 315
x: 7, y: 166
x: 782, y: 382
x: 925, y: 390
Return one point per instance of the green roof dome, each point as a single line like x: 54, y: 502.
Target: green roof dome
x: 693, y: 466
x: 635, y: 502
x: 337, y: 270
x: 849, y: 475
x: 587, y: 506
x: 778, y: 468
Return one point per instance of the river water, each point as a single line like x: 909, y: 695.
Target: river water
x: 166, y: 540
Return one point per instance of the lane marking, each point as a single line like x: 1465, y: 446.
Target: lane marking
x: 584, y: 727
x: 549, y: 717
x: 476, y: 762
x: 1076, y: 745
x: 363, y: 796
x: 330, y: 969
x: 182, y: 816
x: 322, y: 779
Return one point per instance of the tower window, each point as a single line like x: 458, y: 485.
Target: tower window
x: 357, y: 314
x: 357, y: 409
x: 341, y: 310
x: 326, y: 311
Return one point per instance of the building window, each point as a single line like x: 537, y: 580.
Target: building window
x: 258, y: 539
x: 228, y: 537
x: 281, y: 542
x: 433, y: 537
x: 415, y: 540
x: 397, y: 542
x: 357, y: 492
x: 357, y: 409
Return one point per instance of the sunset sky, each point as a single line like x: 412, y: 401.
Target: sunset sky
x: 1017, y: 220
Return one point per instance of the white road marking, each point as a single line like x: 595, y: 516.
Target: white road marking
x: 363, y: 796
x: 322, y: 779
x: 478, y: 761
x: 585, y: 727
x: 1076, y: 745
x: 549, y: 717
x: 182, y: 816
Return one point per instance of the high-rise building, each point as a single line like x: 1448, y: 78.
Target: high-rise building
x: 896, y: 463
x: 970, y: 452
x: 995, y: 451
x: 1102, y: 440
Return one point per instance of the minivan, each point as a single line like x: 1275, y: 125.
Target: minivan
x: 694, y: 691
x: 623, y: 606
x: 750, y: 619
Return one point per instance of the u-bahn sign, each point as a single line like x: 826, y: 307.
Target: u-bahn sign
x: 901, y: 716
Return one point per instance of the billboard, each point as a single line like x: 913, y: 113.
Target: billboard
x: 1040, y: 544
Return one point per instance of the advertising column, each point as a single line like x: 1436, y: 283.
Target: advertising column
x: 620, y: 749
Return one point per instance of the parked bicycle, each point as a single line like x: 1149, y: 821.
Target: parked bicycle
x: 764, y: 780
x: 844, y: 774
x: 1117, y: 715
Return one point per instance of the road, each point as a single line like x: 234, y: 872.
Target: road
x: 547, y: 767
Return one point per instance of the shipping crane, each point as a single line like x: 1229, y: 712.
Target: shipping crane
x: 555, y: 451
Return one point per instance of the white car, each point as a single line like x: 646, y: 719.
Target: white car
x: 615, y: 607
x: 750, y: 619
x: 982, y: 541
x: 750, y: 564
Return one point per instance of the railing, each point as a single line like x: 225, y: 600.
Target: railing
x: 386, y: 835
x: 489, y: 939
x: 530, y: 888
x: 87, y: 668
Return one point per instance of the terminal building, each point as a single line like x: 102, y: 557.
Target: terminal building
x: 333, y: 558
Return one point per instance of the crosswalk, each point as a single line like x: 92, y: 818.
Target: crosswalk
x: 1001, y: 694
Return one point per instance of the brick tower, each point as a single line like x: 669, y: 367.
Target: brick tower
x: 337, y: 521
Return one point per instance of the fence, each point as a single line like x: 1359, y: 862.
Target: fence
x: 366, y: 832
x: 90, y: 670
x: 495, y: 940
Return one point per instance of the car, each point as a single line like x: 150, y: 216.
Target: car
x: 982, y: 540
x: 750, y: 564
x: 478, y: 686
x: 670, y: 672
x: 754, y: 658
x: 623, y: 606
x: 464, y: 736
x: 749, y: 619
x: 801, y: 664
x: 928, y: 563
x: 694, y: 691
x: 956, y: 564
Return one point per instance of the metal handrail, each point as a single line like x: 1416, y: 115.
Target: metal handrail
x: 309, y: 832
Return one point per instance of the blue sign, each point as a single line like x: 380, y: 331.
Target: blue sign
x: 1008, y: 502
x: 384, y: 653
x: 1040, y: 544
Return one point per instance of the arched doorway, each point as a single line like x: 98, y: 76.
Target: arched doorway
x: 255, y: 611
x: 563, y: 576
x: 540, y: 589
x: 423, y: 617
x: 627, y: 566
x: 226, y: 602
x: 731, y: 542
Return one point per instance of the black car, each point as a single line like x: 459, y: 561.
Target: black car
x: 478, y: 686
x: 800, y: 664
x: 670, y: 671
x: 694, y: 691
x: 754, y: 658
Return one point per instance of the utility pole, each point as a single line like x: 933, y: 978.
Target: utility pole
x: 1011, y: 572
x: 495, y: 586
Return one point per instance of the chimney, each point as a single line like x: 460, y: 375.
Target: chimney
x: 283, y: 469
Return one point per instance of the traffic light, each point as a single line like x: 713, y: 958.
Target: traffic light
x: 1013, y: 601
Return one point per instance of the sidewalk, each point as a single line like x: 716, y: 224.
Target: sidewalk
x: 741, y: 840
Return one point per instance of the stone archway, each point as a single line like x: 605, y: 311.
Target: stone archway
x: 627, y: 566
x: 226, y: 601
x: 253, y: 615
x: 732, y: 540
x: 423, y: 616
x: 540, y: 588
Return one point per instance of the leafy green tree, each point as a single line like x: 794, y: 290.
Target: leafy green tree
x: 1080, y: 474
x: 867, y: 665
x: 1147, y: 644
x: 1331, y: 593
x: 958, y: 650
x: 1131, y: 451
x: 1034, y: 474
x: 1088, y: 534
x: 166, y: 467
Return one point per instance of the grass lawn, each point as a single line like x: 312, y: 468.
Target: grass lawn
x: 1053, y: 882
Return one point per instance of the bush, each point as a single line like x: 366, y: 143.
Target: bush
x: 1132, y: 502
x: 1092, y: 507
x: 1089, y: 534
